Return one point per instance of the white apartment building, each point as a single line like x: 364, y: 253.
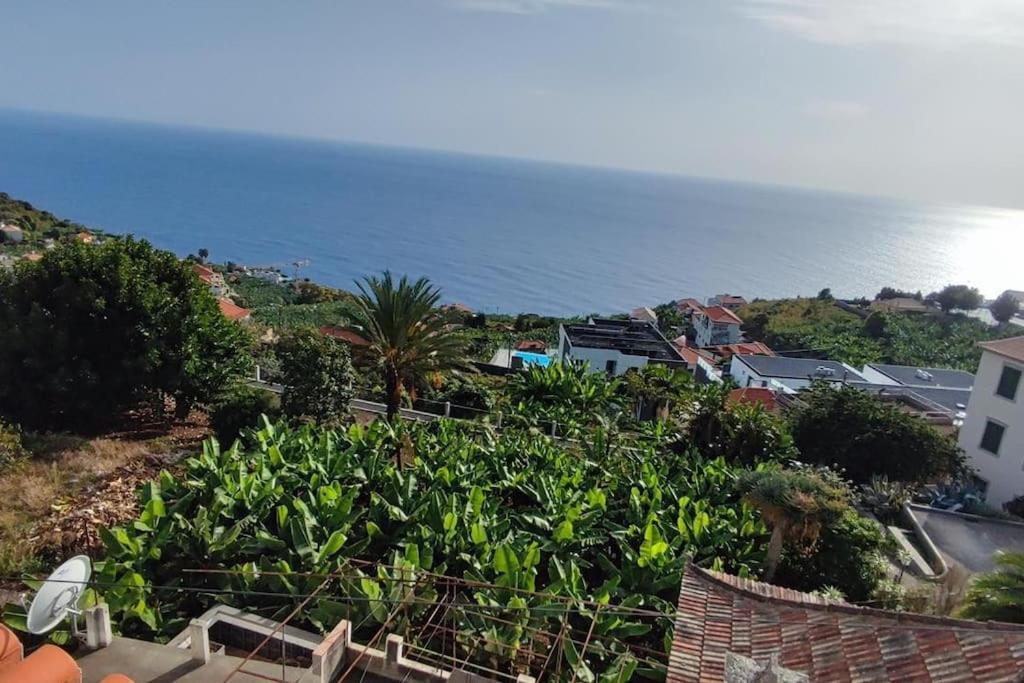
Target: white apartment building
x: 715, y: 326
x: 992, y: 435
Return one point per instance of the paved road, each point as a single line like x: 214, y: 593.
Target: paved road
x: 968, y: 540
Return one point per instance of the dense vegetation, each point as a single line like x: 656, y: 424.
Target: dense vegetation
x: 515, y: 509
x: 846, y: 428
x: 823, y: 330
x: 92, y: 330
x: 36, y: 223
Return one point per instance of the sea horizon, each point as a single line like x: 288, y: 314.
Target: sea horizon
x: 498, y: 233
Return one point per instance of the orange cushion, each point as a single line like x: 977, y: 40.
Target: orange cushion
x: 48, y: 664
x: 11, y: 650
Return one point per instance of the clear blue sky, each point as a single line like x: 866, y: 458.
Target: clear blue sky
x: 916, y: 98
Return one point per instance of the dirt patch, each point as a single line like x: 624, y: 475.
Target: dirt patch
x: 52, y: 505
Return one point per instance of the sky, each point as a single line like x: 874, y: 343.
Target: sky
x: 921, y: 99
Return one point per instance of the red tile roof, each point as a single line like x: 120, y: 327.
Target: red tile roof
x: 531, y: 345
x: 686, y: 305
x: 830, y: 640
x: 232, y: 311
x: 722, y: 315
x: 344, y: 335
x: 727, y: 351
x: 754, y: 395
x: 205, y: 274
x: 733, y: 299
x: 1012, y: 347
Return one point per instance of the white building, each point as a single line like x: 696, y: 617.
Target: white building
x: 731, y: 301
x: 993, y: 433
x: 9, y: 232
x: 789, y: 374
x: 615, y: 346
x: 716, y: 325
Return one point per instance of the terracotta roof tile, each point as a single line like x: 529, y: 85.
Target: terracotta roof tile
x: 1012, y: 347
x: 722, y: 315
x: 344, y: 335
x: 830, y: 640
x: 231, y: 310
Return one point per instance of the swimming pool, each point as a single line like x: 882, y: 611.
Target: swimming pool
x: 534, y: 358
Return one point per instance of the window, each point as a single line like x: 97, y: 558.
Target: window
x: 609, y: 367
x: 1008, y: 382
x: 992, y: 437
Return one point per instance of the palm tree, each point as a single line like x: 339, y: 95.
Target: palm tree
x: 998, y: 595
x: 795, y: 504
x: 405, y: 332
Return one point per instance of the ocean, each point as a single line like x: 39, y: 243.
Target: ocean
x: 496, y: 234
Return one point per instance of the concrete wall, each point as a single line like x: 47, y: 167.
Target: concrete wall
x: 1004, y: 472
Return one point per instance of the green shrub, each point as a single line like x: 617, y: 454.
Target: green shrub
x: 848, y: 555
x: 11, y: 448
x: 317, y: 375
x: 240, y: 408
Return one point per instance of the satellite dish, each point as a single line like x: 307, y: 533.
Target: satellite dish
x: 59, y: 595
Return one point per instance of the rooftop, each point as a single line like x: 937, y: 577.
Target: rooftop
x: 1012, y: 348
x: 726, y: 351
x: 911, y: 376
x: 630, y: 337
x: 762, y: 396
x: 969, y: 540
x: 231, y: 310
x: 347, y: 336
x: 721, y: 615
x: 722, y: 315
x: 800, y: 368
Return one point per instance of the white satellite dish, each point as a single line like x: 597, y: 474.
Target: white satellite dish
x: 59, y: 595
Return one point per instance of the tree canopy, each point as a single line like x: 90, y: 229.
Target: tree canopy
x: 957, y: 297
x: 1004, y: 307
x: 92, y: 330
x: 317, y: 375
x: 849, y: 429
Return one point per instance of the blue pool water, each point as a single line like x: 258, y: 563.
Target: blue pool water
x: 533, y: 358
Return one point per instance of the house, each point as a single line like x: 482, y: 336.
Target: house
x: 532, y: 346
x: 11, y: 233
x: 348, y: 336
x: 729, y: 301
x: 992, y: 435
x: 738, y: 630
x: 789, y: 374
x: 716, y: 325
x: 900, y: 304
x: 644, y: 314
x: 615, y: 346
x: 688, y: 307
x: 762, y: 396
x: 212, y: 279
x: 85, y: 237
x: 233, y: 311
x: 724, y: 352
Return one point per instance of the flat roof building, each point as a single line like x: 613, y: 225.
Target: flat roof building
x: 615, y: 346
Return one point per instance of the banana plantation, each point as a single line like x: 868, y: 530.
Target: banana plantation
x: 507, y: 548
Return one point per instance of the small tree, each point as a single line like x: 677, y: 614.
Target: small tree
x: 92, y: 330
x: 1004, y: 307
x: 795, y: 504
x: 998, y: 595
x: 825, y: 294
x: 864, y: 436
x: 204, y: 254
x: 959, y: 297
x: 317, y: 375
